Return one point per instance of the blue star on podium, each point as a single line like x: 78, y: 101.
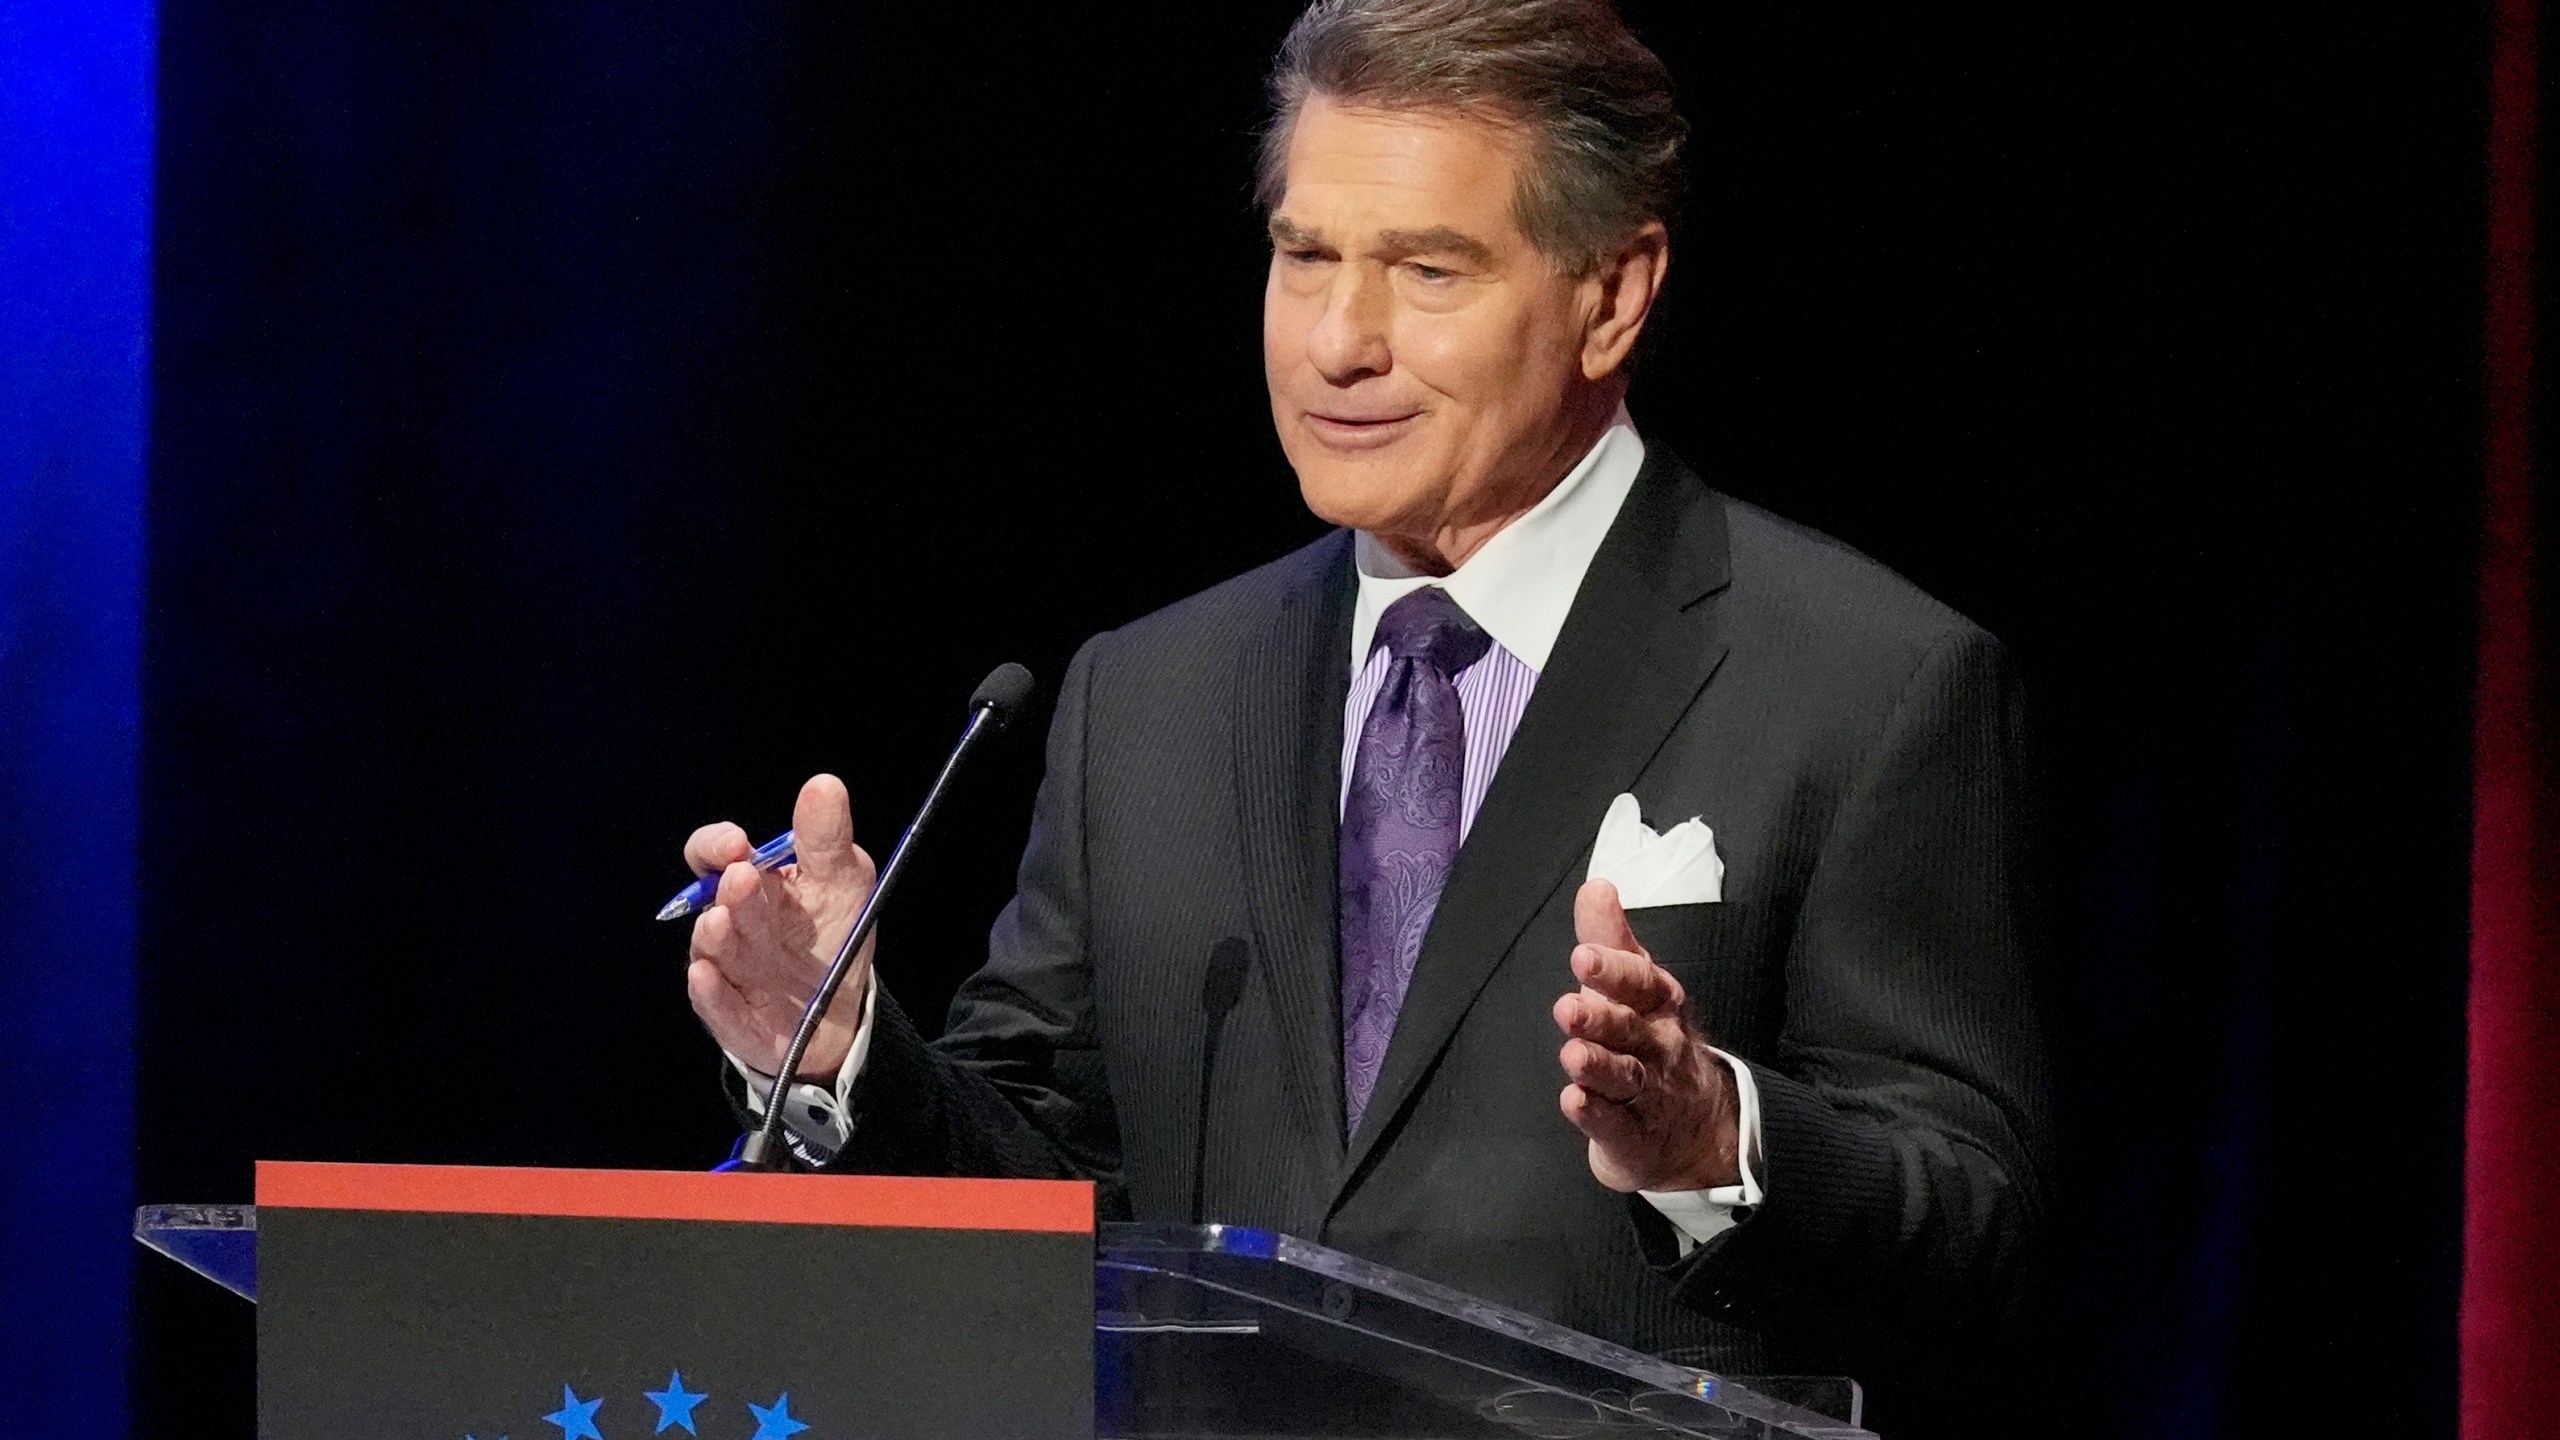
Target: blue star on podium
x: 774, y: 1422
x: 675, y: 1404
x: 575, y: 1417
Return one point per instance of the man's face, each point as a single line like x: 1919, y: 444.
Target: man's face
x: 1424, y: 358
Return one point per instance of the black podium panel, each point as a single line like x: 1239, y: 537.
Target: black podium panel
x: 428, y: 1304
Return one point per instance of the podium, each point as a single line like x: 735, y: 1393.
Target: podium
x: 1183, y: 1333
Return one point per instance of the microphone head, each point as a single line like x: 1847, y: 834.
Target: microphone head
x: 1003, y: 691
x: 1222, y: 985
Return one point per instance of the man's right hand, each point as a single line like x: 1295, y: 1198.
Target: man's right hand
x: 765, y: 943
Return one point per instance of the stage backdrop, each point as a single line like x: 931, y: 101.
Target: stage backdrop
x: 576, y: 423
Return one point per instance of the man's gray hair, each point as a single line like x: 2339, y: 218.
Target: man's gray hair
x: 1599, y: 108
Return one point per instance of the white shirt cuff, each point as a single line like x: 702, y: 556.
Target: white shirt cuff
x: 1701, y: 1215
x: 822, y: 1118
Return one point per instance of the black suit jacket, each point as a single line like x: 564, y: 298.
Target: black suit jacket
x: 1856, y: 748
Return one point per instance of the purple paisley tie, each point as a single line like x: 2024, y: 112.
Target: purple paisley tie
x: 1400, y: 823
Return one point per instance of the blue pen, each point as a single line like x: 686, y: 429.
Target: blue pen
x: 780, y: 850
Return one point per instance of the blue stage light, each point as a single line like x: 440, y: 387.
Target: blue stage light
x: 76, y: 161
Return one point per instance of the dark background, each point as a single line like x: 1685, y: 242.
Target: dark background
x: 577, y: 422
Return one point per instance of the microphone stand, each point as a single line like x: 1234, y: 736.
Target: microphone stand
x: 757, y: 1151
x: 1221, y: 986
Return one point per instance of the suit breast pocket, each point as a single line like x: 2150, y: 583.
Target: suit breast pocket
x: 1681, y: 936
x: 1725, y: 960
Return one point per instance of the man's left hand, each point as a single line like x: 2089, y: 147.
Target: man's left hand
x: 1657, y: 1104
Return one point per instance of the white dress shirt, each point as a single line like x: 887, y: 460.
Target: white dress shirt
x: 1518, y: 586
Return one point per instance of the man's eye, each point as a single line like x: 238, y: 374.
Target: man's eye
x: 1433, y: 273
x: 1303, y: 256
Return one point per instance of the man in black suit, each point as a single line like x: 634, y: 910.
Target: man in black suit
x: 1372, y: 774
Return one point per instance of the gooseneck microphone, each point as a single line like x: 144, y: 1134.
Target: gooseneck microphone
x: 1220, y: 989
x: 998, y: 699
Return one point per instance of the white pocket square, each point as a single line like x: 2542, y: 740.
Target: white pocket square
x: 1677, y: 867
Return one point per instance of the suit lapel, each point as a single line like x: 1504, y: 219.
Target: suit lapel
x: 1291, y: 687
x: 1637, y: 647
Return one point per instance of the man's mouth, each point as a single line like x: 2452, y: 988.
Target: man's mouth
x: 1354, y: 431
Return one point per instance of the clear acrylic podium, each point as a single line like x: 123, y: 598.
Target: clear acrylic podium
x: 1226, y: 1333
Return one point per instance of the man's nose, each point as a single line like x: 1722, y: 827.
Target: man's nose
x: 1349, y: 341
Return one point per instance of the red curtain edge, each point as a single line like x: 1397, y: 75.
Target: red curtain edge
x: 2510, y: 1309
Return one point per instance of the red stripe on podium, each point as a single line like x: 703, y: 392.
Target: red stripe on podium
x: 896, y: 1202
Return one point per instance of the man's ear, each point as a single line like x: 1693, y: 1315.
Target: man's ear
x: 1621, y: 291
